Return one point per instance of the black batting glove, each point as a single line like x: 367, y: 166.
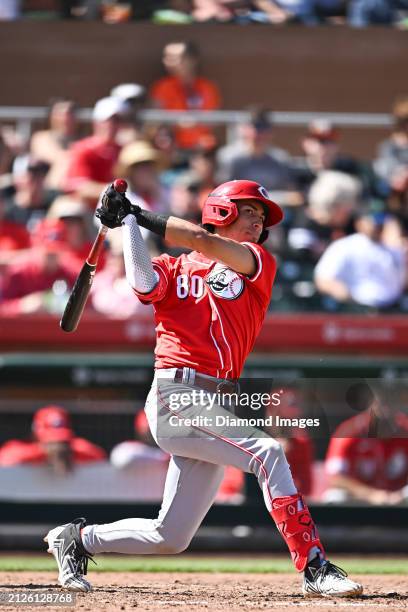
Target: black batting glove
x: 108, y: 219
x: 114, y: 208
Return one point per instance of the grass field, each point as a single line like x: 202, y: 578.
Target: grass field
x: 205, y: 564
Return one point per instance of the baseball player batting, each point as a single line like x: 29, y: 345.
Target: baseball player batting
x: 209, y: 307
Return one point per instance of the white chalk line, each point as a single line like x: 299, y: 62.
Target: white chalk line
x: 312, y: 602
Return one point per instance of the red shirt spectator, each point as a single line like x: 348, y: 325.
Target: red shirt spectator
x: 34, y: 274
x: 17, y: 452
x: 381, y: 463
x: 51, y: 427
x: 92, y: 159
x: 13, y: 236
x: 183, y: 89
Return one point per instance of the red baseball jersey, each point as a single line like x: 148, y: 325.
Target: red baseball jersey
x: 207, y: 315
x: 379, y: 462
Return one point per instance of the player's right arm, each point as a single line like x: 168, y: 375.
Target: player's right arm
x: 148, y: 279
x: 149, y: 282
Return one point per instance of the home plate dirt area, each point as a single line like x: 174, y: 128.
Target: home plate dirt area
x: 203, y: 591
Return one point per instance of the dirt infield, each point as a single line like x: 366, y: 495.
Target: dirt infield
x: 204, y: 592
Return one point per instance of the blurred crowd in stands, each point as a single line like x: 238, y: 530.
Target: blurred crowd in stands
x: 357, y: 13
x: 342, y: 245
x: 365, y: 457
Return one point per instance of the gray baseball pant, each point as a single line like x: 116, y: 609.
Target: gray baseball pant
x: 196, y: 468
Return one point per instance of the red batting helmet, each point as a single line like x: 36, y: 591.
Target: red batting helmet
x: 220, y: 207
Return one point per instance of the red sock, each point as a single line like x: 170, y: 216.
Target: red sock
x: 295, y: 523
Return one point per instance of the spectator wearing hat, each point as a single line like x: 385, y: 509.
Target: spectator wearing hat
x: 92, y: 159
x: 361, y: 268
x: 53, y: 443
x: 38, y: 280
x: 134, y: 96
x: 255, y: 158
x: 131, y: 93
x: 138, y: 163
x: 185, y: 89
x: 392, y: 160
x: 28, y: 199
x: 78, y: 233
x: 321, y: 147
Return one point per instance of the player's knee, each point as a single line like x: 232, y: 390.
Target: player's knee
x: 272, y: 450
x: 272, y: 455
x: 173, y: 544
x: 277, y: 449
x: 277, y: 456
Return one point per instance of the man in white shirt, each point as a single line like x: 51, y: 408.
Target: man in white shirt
x: 360, y: 268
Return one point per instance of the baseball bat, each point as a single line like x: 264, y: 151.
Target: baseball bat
x: 80, y: 291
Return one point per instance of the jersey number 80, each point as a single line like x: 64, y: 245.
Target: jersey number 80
x: 186, y: 286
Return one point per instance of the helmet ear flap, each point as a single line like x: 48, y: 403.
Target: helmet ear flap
x: 219, y: 210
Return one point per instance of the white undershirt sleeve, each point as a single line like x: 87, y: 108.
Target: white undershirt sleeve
x: 139, y: 269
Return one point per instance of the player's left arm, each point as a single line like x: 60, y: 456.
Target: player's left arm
x: 236, y: 256
x: 178, y: 232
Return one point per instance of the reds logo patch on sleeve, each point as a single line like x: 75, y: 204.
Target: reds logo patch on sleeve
x: 225, y: 283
